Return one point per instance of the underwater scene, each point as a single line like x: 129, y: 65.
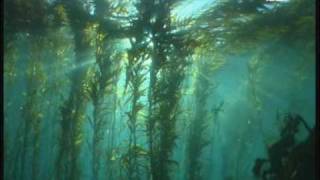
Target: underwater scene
x: 159, y: 89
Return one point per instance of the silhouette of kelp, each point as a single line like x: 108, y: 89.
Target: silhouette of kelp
x: 287, y: 158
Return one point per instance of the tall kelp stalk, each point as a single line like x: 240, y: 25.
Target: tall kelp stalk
x: 138, y: 54
x: 108, y: 58
x: 32, y: 110
x: 97, y: 94
x: 166, y: 112
x: 255, y: 67
x: 78, y: 17
x: 204, y: 118
x: 254, y: 122
x: 197, y: 140
x: 21, y: 22
x: 110, y: 112
x: 11, y: 57
x: 112, y: 169
x: 102, y: 86
x: 136, y: 79
x: 73, y: 109
x: 101, y: 81
x: 169, y: 59
x: 59, y: 51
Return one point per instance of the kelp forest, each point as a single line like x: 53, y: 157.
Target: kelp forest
x: 159, y: 89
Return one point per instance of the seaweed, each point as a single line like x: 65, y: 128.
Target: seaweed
x: 72, y: 111
x: 104, y: 88
x: 197, y: 140
x: 285, y: 155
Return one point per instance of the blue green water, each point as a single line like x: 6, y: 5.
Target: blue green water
x: 159, y: 89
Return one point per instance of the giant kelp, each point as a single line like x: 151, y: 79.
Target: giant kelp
x: 106, y: 81
x: 285, y: 155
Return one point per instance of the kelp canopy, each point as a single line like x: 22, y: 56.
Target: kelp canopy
x: 159, y: 89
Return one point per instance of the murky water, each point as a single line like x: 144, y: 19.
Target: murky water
x: 159, y: 89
